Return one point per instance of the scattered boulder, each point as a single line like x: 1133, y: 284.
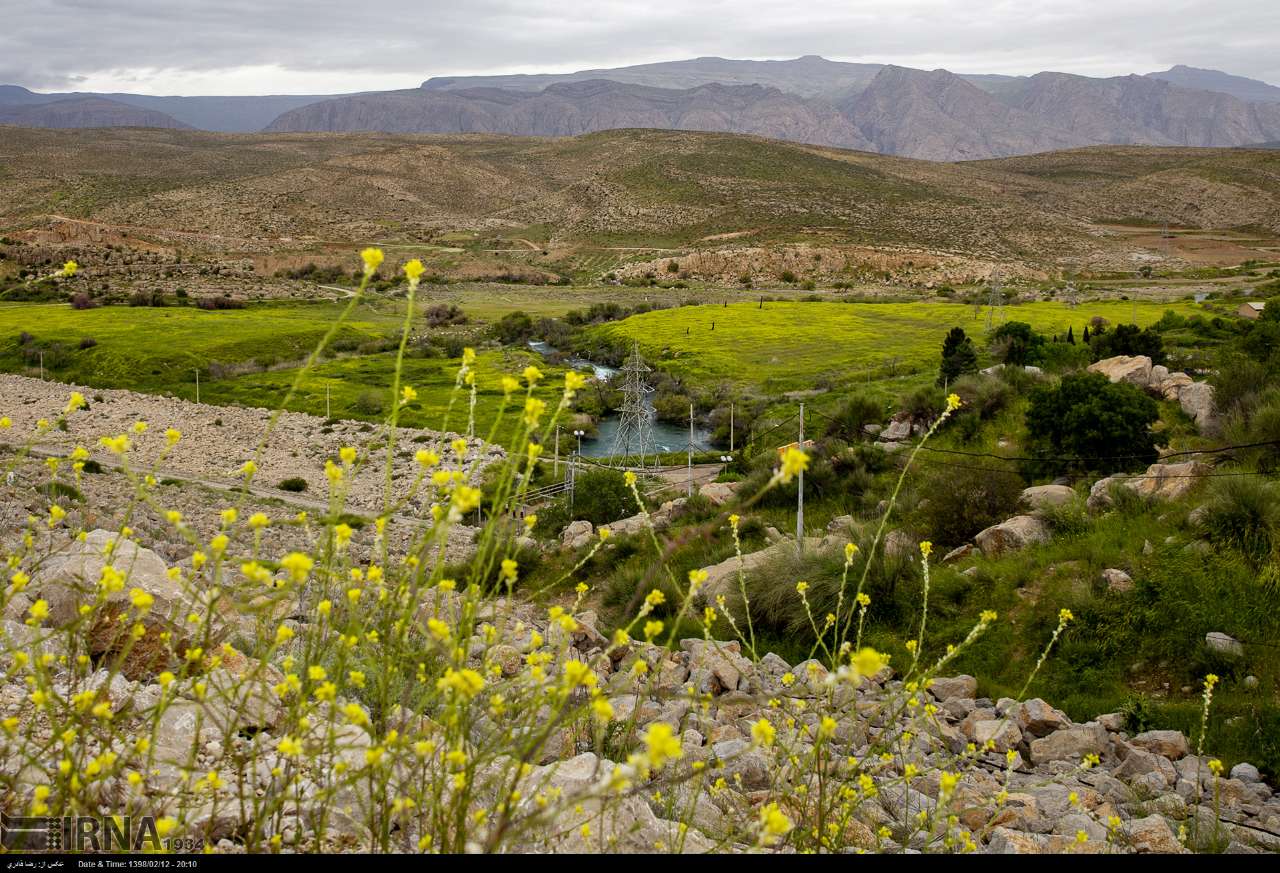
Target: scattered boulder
x: 1224, y: 644
x: 1169, y: 744
x: 719, y: 493
x: 958, y: 554
x: 577, y: 534
x: 1196, y: 401
x: 945, y: 688
x: 1012, y: 534
x: 1070, y: 744
x: 1159, y: 482
x: 1117, y: 581
x: 1043, y: 496
x: 1039, y: 719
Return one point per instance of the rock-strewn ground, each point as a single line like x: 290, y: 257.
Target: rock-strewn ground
x: 218, y: 440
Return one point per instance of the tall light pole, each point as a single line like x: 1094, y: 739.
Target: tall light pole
x: 573, y: 467
x: 690, y: 456
x: 197, y: 385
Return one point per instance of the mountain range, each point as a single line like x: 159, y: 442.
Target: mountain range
x: 935, y: 115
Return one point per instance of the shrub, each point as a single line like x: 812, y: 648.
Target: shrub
x: 514, y: 328
x: 1128, y: 339
x: 1244, y: 514
x: 1088, y: 423
x: 369, y: 402
x: 848, y: 419
x: 294, y: 483
x: 961, y: 501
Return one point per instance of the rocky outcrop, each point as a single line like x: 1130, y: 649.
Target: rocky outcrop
x: 1159, y: 482
x: 1134, y: 370
x: 1195, y: 398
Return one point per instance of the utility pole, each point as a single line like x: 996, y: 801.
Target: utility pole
x: 42, y: 366
x: 731, y: 427
x: 327, y: 414
x: 555, y: 465
x: 800, y: 492
x: 197, y: 385
x: 690, y: 467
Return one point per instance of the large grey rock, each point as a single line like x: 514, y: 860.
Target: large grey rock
x: 71, y: 579
x: 1134, y: 370
x: 945, y: 688
x: 1224, y: 644
x: 1011, y: 535
x: 1196, y: 401
x: 577, y: 534
x: 1159, y: 482
x: 1039, y: 719
x: 1171, y: 744
x: 719, y: 493
x: 1040, y: 497
x: 1117, y: 581
x: 1070, y: 744
x: 1152, y: 834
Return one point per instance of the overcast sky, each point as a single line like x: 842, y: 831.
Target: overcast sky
x: 333, y: 46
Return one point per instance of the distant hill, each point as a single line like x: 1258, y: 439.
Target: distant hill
x: 572, y: 108
x: 85, y: 112
x: 228, y: 114
x: 624, y: 188
x: 936, y: 114
x: 901, y: 111
x: 1216, y: 80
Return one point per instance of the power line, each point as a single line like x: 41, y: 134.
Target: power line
x: 1112, y: 476
x: 1215, y: 451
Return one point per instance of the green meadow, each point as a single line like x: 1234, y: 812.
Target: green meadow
x: 783, y: 346
x: 159, y: 349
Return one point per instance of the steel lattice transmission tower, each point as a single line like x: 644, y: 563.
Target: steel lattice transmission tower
x: 633, y: 440
x: 995, y: 301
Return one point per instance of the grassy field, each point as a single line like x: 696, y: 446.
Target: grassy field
x: 786, y: 346
x: 358, y: 388
x: 153, y: 350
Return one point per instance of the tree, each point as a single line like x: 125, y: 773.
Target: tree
x: 958, y: 357
x: 1101, y: 426
x: 1071, y: 337
x: 1086, y: 334
x: 1127, y: 339
x: 1014, y: 342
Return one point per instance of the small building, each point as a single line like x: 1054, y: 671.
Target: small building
x: 1251, y: 309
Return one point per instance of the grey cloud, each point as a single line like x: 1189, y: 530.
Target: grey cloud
x: 60, y: 44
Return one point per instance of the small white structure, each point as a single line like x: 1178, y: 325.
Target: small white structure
x: 1251, y: 309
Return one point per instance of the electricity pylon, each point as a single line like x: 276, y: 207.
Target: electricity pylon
x: 634, y: 438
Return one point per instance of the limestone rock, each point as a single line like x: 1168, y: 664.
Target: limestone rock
x: 1039, y: 719
x: 1070, y: 744
x: 945, y: 688
x: 1012, y: 534
x: 1152, y: 834
x: 1135, y: 370
x: 1196, y: 401
x: 1171, y: 744
x: 1159, y: 482
x: 1117, y: 581
x: 719, y: 493
x: 1224, y: 644
x: 1043, y: 496
x: 577, y: 534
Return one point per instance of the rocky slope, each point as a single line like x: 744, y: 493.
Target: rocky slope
x: 569, y: 109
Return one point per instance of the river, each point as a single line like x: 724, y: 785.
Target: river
x: 667, y: 437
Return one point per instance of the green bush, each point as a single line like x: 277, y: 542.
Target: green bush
x: 961, y: 502
x: 1088, y: 423
x: 1244, y: 514
x: 294, y: 483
